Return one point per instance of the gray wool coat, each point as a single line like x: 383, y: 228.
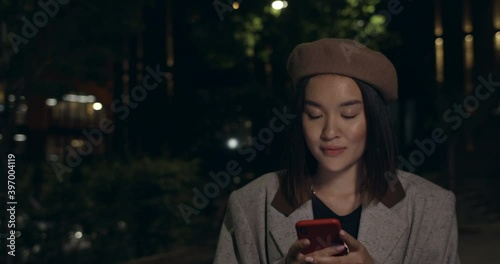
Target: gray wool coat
x: 413, y: 223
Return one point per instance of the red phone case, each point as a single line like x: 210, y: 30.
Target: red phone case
x: 322, y: 233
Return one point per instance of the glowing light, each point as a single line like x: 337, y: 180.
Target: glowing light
x: 97, y: 106
x: 78, y: 235
x: 438, y: 23
x: 278, y: 5
x: 497, y: 35
x: 232, y: 143
x: 438, y: 31
x: 469, y: 37
x: 19, y: 137
x: 439, y: 60
x: 11, y: 98
x: 79, y: 98
x: 122, y: 225
x: 51, y: 102
x: 23, y: 108
x: 237, y: 180
x: 53, y: 157
x: 76, y: 143
x: 236, y: 5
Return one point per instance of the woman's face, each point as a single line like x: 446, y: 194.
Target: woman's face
x: 334, y: 122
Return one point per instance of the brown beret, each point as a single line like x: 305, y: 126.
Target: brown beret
x: 344, y: 57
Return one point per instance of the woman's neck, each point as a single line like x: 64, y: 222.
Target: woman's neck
x: 337, y: 184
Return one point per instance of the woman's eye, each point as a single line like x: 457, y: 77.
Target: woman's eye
x: 313, y: 116
x: 348, y: 117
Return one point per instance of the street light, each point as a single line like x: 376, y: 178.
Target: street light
x: 51, y: 102
x: 232, y: 143
x: 19, y: 137
x: 97, y: 106
x: 278, y: 5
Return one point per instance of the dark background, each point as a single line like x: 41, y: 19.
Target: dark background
x: 116, y: 195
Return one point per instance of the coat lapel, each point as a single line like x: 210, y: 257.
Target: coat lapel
x: 380, y: 227
x: 282, y: 219
x: 380, y: 230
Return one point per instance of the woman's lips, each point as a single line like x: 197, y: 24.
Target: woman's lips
x: 333, y: 152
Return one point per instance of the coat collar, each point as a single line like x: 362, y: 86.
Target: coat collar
x: 393, y: 195
x: 380, y: 226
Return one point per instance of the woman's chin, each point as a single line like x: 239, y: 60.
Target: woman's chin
x: 333, y: 167
x: 336, y: 167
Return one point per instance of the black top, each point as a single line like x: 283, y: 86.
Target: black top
x: 350, y: 222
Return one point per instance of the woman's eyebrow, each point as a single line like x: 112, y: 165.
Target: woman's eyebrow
x: 343, y: 104
x: 309, y: 102
x: 350, y: 102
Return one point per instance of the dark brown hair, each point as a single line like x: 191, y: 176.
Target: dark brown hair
x: 379, y: 157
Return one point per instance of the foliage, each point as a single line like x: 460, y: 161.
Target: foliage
x: 124, y: 210
x: 256, y: 29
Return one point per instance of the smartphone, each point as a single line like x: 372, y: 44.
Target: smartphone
x: 322, y: 233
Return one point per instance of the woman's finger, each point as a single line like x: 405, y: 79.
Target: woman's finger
x: 327, y: 252
x: 351, y: 242
x: 297, y: 247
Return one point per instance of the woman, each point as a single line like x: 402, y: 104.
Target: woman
x: 342, y: 163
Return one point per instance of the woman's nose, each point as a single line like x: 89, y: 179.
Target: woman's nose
x: 330, y: 130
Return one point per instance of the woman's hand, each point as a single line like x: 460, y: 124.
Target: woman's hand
x: 357, y: 253
x: 295, y: 257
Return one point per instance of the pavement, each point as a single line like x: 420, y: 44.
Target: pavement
x: 478, y: 194
x: 478, y: 216
x: 479, y: 244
